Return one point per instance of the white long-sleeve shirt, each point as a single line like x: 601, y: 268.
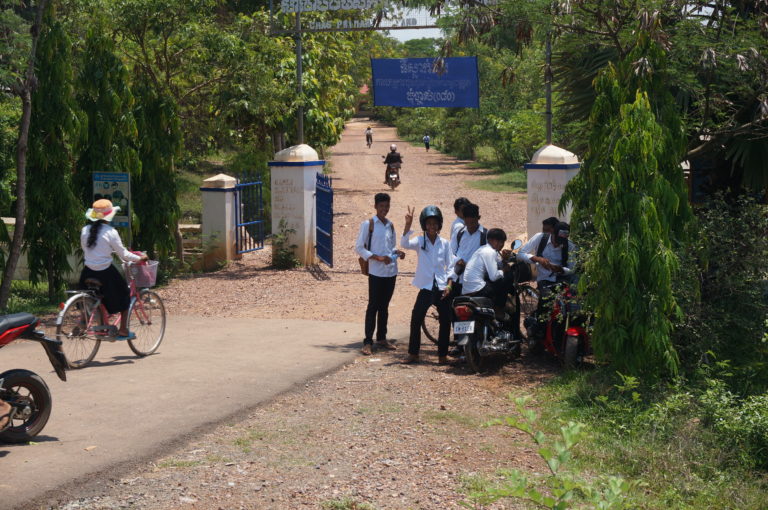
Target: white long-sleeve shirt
x: 108, y: 242
x: 486, y: 262
x: 383, y: 243
x: 464, y: 249
x: 434, y: 261
x: 457, y: 225
x: 554, y: 255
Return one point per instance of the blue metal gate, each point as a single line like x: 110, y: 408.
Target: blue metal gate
x: 249, y: 213
x: 324, y: 218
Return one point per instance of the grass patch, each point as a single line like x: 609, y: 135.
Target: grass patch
x: 658, y: 441
x: 245, y: 442
x: 345, y: 504
x: 176, y: 463
x: 451, y: 417
x: 515, y: 181
x: 29, y: 298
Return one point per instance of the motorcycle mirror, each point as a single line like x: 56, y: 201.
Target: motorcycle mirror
x: 517, y: 243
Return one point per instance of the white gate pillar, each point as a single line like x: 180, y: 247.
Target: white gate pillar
x: 293, y: 197
x: 548, y: 172
x: 218, y: 220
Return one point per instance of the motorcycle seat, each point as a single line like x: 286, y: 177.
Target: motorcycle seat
x: 479, y: 301
x: 16, y: 320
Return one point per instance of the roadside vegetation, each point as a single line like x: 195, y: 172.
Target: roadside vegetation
x: 676, y: 402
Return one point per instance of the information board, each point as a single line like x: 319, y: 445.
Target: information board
x: 413, y: 83
x: 116, y: 187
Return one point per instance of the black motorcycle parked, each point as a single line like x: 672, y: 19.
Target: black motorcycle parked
x: 25, y: 391
x: 486, y: 341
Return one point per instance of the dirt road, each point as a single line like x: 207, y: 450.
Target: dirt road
x: 340, y: 293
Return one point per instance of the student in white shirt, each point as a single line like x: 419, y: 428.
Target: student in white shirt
x: 458, y: 223
x: 486, y: 275
x: 377, y: 245
x: 469, y: 238
x: 99, y: 241
x: 552, y: 254
x: 432, y: 271
x: 369, y: 136
x: 426, y: 141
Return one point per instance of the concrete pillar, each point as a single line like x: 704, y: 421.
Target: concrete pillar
x: 548, y: 172
x: 218, y: 220
x: 293, y: 196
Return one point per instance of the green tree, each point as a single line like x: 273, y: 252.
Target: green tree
x: 156, y: 211
x: 630, y: 199
x: 104, y: 95
x: 22, y: 84
x: 53, y: 214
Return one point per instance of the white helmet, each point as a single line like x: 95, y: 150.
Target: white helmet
x: 393, y: 147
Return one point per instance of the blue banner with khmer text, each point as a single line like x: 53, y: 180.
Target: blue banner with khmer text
x: 413, y: 82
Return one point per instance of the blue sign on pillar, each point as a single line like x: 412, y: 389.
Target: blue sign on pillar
x: 115, y: 187
x: 414, y: 82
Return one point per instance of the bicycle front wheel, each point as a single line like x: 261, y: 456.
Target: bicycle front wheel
x: 146, y: 319
x: 74, y: 328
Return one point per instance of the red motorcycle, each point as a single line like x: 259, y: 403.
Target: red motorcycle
x: 565, y: 334
x: 26, y: 392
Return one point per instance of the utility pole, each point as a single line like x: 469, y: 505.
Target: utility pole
x: 548, y: 87
x: 300, y: 91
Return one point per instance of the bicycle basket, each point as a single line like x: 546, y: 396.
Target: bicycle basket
x: 144, y: 275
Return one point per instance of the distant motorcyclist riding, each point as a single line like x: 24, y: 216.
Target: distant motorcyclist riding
x: 394, y: 161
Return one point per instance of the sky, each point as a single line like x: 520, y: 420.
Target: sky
x: 419, y: 33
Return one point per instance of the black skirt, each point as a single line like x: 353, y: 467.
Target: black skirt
x: 115, y: 293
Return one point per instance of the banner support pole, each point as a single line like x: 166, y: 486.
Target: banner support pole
x: 299, y: 87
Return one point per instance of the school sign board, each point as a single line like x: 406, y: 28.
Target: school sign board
x: 414, y: 83
x: 116, y: 187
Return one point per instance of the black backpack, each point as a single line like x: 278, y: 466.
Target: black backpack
x: 543, y: 244
x: 483, y: 238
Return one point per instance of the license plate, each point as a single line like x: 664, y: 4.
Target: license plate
x: 461, y: 328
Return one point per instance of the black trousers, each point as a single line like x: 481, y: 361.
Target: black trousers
x: 498, y: 290
x: 380, y: 290
x: 424, y: 300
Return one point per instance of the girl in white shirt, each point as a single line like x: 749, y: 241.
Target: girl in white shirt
x: 99, y: 241
x: 432, y: 270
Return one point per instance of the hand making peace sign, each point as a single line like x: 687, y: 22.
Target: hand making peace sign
x: 409, y: 219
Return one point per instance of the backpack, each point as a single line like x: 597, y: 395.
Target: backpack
x: 483, y: 238
x: 543, y: 244
x: 363, y: 262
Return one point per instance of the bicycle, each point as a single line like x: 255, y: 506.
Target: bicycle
x: 84, y: 322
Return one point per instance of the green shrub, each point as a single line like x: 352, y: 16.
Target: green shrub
x: 721, y: 293
x: 283, y: 256
x: 742, y: 424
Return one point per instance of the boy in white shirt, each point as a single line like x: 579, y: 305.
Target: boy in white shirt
x: 486, y: 275
x: 432, y: 270
x: 468, y: 239
x: 376, y: 244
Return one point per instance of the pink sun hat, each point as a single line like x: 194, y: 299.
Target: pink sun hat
x: 101, y: 210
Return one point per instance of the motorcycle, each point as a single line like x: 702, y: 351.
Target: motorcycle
x: 488, y: 342
x: 25, y: 391
x: 565, y: 334
x: 393, y: 175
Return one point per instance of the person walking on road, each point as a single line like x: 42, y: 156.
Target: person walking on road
x: 426, y: 141
x: 369, y: 137
x: 376, y: 243
x: 432, y: 270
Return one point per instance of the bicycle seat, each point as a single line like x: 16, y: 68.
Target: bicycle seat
x: 92, y: 283
x: 16, y: 320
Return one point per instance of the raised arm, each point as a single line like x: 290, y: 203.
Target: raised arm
x: 117, y: 246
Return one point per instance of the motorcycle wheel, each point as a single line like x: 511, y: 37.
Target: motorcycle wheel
x: 28, y: 387
x: 570, y: 351
x: 479, y: 364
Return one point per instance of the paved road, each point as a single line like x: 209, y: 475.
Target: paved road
x: 123, y: 409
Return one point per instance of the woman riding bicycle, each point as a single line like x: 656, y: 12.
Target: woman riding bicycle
x: 99, y: 241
